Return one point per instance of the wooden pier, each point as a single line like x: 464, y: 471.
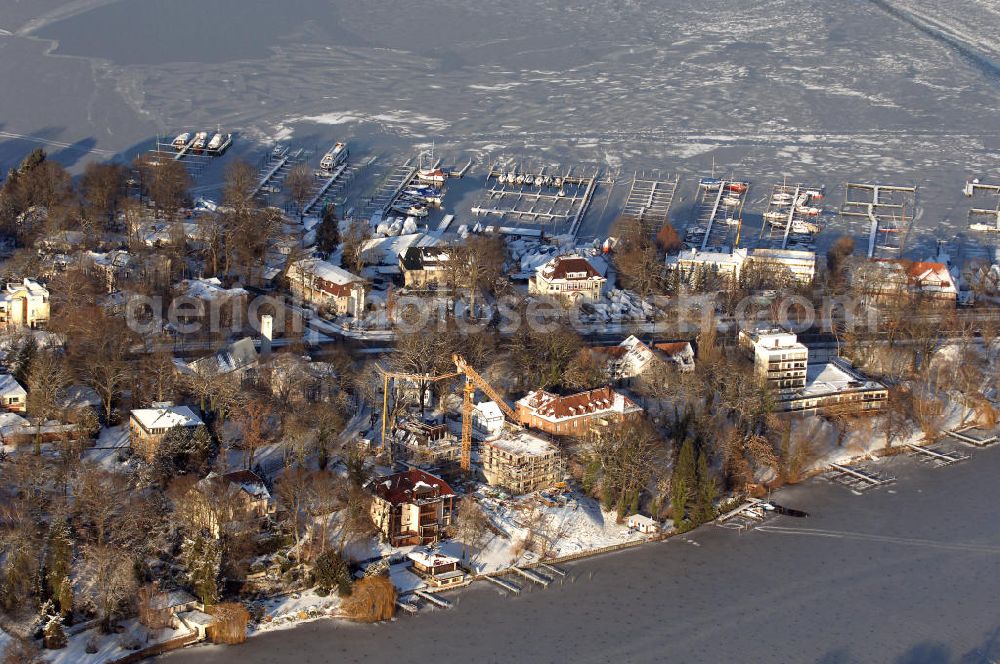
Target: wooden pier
x: 720, y: 215
x: 532, y: 576
x: 889, y: 210
x: 538, y: 195
x: 855, y: 479
x: 790, y: 221
x: 512, y: 588
x: 649, y: 199
x: 274, y: 167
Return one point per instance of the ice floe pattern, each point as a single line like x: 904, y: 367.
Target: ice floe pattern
x: 828, y: 92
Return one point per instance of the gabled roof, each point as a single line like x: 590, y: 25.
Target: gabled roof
x: 10, y: 387
x: 237, y: 355
x: 562, y: 267
x: 423, y: 258
x: 410, y: 486
x: 593, y: 402
x: 169, y: 417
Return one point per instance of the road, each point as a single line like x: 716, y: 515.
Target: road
x: 907, y: 573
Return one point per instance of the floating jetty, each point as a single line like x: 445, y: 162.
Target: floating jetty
x: 649, y: 200
x: 539, y: 195
x: 984, y: 219
x: 889, y: 210
x: 790, y: 221
x: 720, y: 215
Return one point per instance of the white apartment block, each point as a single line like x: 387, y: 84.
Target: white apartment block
x: 24, y: 305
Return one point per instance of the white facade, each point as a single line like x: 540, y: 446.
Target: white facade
x: 721, y: 263
x: 24, y: 304
x: 800, y: 264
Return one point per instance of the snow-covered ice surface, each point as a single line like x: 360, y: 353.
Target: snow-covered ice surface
x: 898, y: 90
x: 895, y: 575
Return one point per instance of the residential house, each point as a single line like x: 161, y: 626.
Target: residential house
x: 570, y: 277
x: 438, y: 570
x: 487, y: 419
x: 643, y: 524
x: 24, y: 305
x: 239, y: 497
x: 575, y: 414
x: 631, y: 358
x: 13, y: 397
x: 326, y: 285
x: 411, y: 507
x: 881, y: 280
x: 424, y: 267
x: 148, y: 426
x: 426, y: 442
x: 521, y: 462
x: 239, y: 361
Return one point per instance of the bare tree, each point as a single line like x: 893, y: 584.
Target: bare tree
x: 299, y: 187
x: 108, y: 581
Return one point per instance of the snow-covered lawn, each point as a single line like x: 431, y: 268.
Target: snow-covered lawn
x: 579, y: 526
x: 289, y: 610
x: 110, y: 646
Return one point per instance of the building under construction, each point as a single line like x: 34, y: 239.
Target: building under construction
x: 521, y: 462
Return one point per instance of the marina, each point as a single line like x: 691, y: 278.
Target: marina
x: 274, y: 167
x: 791, y: 218
x: 984, y: 215
x: 649, y: 199
x: 719, y: 216
x: 547, y: 196
x: 889, y: 211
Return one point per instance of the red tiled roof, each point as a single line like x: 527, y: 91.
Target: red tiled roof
x: 575, y: 405
x: 672, y: 347
x: 408, y: 486
x: 560, y: 266
x: 614, y: 352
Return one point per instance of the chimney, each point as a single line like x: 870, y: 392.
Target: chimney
x: 266, y: 334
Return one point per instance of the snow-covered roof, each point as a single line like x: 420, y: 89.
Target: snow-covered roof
x: 386, y: 250
x: 10, y: 387
x: 168, y: 417
x: 237, y: 355
x: 209, y: 289
x: 834, y: 377
x: 321, y: 269
x: 523, y: 443
x: 430, y: 557
x: 642, y: 520
x: 489, y: 410
x: 591, y: 403
x: 171, y: 599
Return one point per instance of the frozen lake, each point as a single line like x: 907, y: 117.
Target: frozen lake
x: 900, y: 91
x: 903, y: 574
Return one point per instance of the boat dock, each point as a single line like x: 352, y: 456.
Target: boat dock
x: 720, y: 215
x: 649, y: 200
x: 273, y: 168
x: 539, y: 195
x: 533, y: 576
x: 985, y: 216
x: 856, y: 479
x: 508, y: 586
x: 434, y: 599
x: 790, y: 221
x: 889, y: 211
x: 333, y: 186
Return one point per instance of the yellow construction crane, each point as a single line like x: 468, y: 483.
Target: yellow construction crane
x: 472, y: 381
x: 388, y: 375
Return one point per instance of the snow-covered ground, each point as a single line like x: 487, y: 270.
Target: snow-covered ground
x: 110, y: 646
x: 289, y: 610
